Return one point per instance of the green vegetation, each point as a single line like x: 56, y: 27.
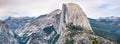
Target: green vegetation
x: 48, y: 30
x: 73, y: 31
x: 69, y: 41
x: 73, y: 27
x: 54, y: 37
x: 78, y: 29
x: 95, y: 41
x: 106, y: 31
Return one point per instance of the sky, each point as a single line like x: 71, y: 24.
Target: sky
x: 33, y: 8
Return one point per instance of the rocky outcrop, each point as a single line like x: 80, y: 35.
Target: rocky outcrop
x: 39, y: 25
x: 73, y: 17
x: 72, y: 13
x: 6, y: 36
x: 17, y: 23
x: 67, y: 26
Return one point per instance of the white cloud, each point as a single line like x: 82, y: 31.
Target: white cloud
x: 93, y: 8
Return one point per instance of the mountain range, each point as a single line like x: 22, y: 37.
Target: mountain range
x: 67, y: 26
x: 107, y: 27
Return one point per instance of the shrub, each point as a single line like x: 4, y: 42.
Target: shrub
x: 73, y: 27
x: 48, y: 30
x: 95, y: 41
x: 69, y: 41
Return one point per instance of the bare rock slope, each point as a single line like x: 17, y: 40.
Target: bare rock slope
x: 75, y: 27
x: 67, y: 26
x: 6, y: 36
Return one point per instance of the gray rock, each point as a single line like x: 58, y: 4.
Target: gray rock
x: 72, y: 13
x: 6, y: 36
x: 69, y: 25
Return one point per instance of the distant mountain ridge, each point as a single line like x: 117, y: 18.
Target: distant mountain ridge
x: 112, y: 20
x: 104, y: 27
x: 67, y: 26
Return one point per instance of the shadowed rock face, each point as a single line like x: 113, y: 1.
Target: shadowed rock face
x: 5, y: 35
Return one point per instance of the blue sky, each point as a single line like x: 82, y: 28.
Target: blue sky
x: 92, y: 8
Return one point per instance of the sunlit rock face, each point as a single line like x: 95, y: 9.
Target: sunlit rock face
x: 67, y: 26
x: 41, y: 27
x: 72, y: 13
x: 6, y: 36
x: 73, y: 16
x: 17, y: 23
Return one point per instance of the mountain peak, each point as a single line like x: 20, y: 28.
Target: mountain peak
x: 57, y: 11
x: 71, y: 4
x: 72, y: 13
x: 67, y: 26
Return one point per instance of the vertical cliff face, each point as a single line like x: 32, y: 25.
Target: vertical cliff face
x: 72, y: 13
x: 67, y: 26
x: 75, y: 28
x: 6, y: 36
